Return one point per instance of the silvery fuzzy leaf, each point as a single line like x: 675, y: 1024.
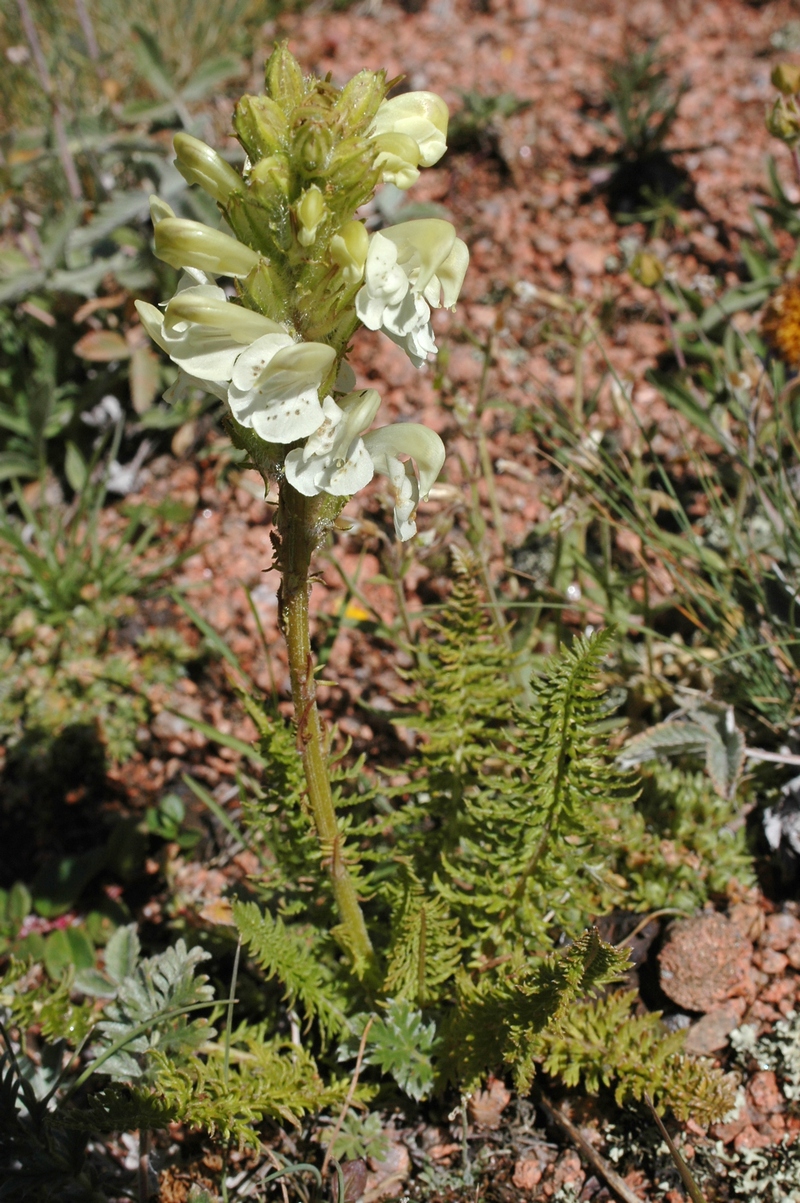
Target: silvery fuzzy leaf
x: 665, y: 739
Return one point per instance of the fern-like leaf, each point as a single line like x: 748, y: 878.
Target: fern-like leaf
x: 265, y: 1079
x: 600, y: 1043
x: 290, y: 956
x: 425, y: 948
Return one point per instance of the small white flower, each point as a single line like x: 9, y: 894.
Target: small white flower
x: 398, y: 159
x: 203, y: 333
x: 424, y: 446
x: 270, y: 382
x: 411, y: 267
x: 275, y: 385
x: 421, y: 116
x: 334, y: 459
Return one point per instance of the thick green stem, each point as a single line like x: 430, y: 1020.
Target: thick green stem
x: 301, y: 521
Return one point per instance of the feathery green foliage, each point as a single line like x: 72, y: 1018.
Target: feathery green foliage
x: 497, y: 1020
x: 292, y: 955
x: 425, y: 949
x: 520, y: 807
x: 508, y: 837
x: 265, y: 1078
x: 600, y: 1043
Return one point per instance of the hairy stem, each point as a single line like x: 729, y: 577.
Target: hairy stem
x: 300, y: 522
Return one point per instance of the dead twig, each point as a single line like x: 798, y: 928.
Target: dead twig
x: 686, y: 1174
x: 617, y: 1184
x: 774, y: 757
x: 351, y: 1092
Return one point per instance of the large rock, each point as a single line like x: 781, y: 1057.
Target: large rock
x: 702, y: 961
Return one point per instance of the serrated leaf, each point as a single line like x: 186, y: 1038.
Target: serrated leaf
x: 159, y: 987
x: 400, y: 1043
x: 665, y: 739
x: 95, y: 984
x: 709, y: 730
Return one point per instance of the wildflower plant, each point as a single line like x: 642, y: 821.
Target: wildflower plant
x: 301, y: 273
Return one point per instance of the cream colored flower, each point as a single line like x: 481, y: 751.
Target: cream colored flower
x: 420, y: 116
x: 385, y: 445
x: 411, y: 267
x: 274, y: 387
x: 203, y: 333
x: 335, y: 459
x: 183, y: 243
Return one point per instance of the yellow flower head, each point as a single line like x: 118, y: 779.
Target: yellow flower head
x: 780, y: 324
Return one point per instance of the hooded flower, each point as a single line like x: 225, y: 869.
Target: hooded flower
x: 411, y: 267
x: 335, y: 459
x: 270, y: 382
x: 411, y: 131
x: 203, y: 333
x: 385, y: 445
x: 275, y: 385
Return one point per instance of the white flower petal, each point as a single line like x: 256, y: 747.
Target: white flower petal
x: 288, y: 419
x: 253, y: 360
x: 408, y: 438
x: 334, y: 459
x: 422, y: 246
x: 201, y: 351
x: 274, y: 388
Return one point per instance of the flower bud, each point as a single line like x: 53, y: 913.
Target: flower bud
x: 786, y: 78
x: 313, y: 144
x: 352, y: 164
x: 647, y: 269
x: 242, y: 324
x: 260, y: 126
x: 199, y: 164
x: 284, y: 79
x: 309, y: 210
x: 423, y: 116
x: 184, y: 243
x: 271, y: 173
x: 783, y: 121
x: 360, y: 99
x: 349, y: 250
